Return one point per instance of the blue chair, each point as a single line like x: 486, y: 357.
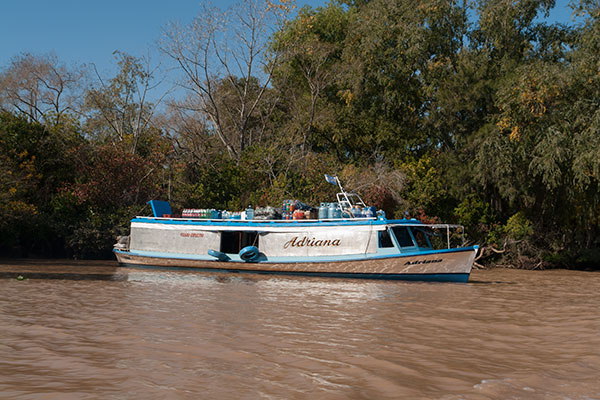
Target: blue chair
x: 160, y: 208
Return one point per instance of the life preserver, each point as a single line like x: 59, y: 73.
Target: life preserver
x: 218, y: 255
x: 249, y: 254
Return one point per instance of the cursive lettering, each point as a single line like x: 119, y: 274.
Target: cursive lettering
x: 423, y: 262
x: 313, y: 242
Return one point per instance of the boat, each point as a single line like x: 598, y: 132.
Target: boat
x: 347, y: 244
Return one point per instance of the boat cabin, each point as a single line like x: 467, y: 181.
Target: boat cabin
x: 285, y: 239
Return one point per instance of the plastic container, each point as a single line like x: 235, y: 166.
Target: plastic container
x: 249, y: 213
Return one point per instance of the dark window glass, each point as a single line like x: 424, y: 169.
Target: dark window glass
x: 233, y: 242
x: 385, y: 239
x: 403, y: 236
x: 421, y: 238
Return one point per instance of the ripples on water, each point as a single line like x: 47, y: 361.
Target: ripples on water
x: 505, y: 335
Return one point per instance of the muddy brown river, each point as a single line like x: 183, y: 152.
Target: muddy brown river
x: 92, y: 331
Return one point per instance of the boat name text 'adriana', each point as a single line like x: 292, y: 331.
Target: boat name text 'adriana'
x: 423, y: 262
x: 306, y: 242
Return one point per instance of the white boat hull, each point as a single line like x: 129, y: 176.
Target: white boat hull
x: 451, y: 265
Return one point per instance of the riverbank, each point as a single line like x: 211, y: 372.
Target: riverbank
x: 61, y: 269
x: 524, y: 255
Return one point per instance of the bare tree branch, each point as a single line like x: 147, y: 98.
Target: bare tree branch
x: 219, y: 55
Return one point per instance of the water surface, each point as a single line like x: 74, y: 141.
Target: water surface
x: 507, y: 334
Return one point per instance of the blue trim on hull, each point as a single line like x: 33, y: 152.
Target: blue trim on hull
x: 455, y: 278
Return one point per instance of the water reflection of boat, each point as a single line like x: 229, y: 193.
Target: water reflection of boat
x: 367, y: 247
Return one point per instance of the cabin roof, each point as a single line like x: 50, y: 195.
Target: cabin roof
x: 277, y: 223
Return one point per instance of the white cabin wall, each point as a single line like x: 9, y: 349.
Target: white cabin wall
x: 319, y: 243
x: 183, y: 240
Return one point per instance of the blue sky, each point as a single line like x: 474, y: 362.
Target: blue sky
x: 84, y: 31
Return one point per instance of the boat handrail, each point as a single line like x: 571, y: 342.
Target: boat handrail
x: 436, y: 226
x: 439, y: 226
x: 418, y: 224
x: 343, y: 198
x: 345, y: 203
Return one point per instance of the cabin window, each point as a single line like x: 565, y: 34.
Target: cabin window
x: 385, y: 240
x: 403, y: 236
x: 421, y: 238
x: 233, y: 241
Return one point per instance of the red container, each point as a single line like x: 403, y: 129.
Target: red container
x: 298, y: 214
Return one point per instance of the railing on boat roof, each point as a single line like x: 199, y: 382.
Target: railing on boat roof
x: 347, y: 200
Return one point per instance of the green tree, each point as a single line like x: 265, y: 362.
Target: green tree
x: 36, y: 165
x: 306, y: 74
